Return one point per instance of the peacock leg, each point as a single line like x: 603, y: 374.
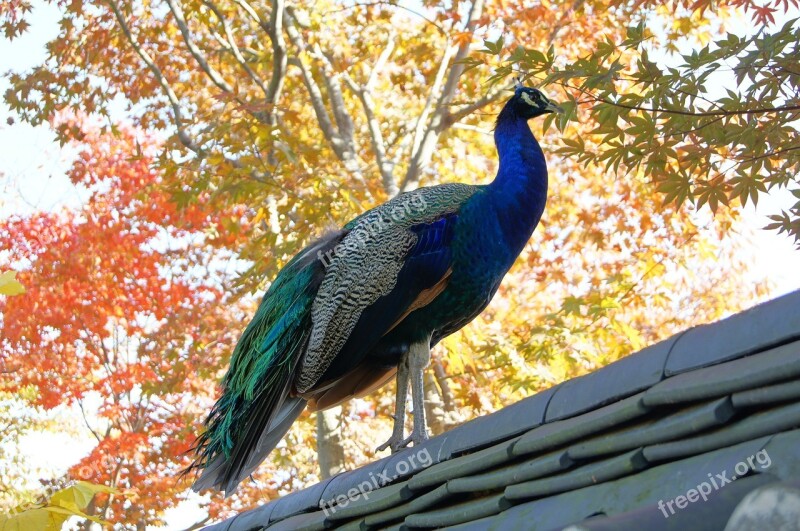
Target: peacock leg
x: 419, y: 356
x: 397, y: 441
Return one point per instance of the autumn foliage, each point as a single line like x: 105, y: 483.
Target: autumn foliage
x: 124, y: 302
x: 251, y: 128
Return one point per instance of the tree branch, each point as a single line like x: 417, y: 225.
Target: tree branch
x: 215, y: 77
x: 422, y: 119
x: 394, y: 5
x: 317, y: 100
x: 422, y: 151
x: 183, y: 135
x: 179, y: 121
x: 234, y: 49
x: 86, y: 421
x: 385, y: 166
x: 253, y: 14
x: 564, y: 20
x: 444, y: 385
x: 382, y: 59
x: 275, y: 31
x: 478, y: 104
x: 341, y: 136
x: 344, y: 122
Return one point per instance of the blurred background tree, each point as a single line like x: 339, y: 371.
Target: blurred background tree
x: 217, y: 137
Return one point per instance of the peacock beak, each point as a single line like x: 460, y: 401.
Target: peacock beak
x: 552, y: 107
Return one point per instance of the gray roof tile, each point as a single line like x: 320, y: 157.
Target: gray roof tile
x: 250, y: 520
x: 783, y: 451
x: 415, y: 459
x: 416, y: 505
x: 709, y: 515
x: 761, y: 369
x: 500, y: 425
x: 770, y: 394
x: 758, y: 328
x: 561, y: 432
x: 757, y: 425
x: 359, y: 478
x: 463, y: 465
x: 297, y: 502
x: 614, y: 382
x: 586, y: 475
x: 540, y: 466
x: 462, y: 512
x: 647, y: 488
x: 315, y: 521
x: 368, y: 502
x: 684, y: 423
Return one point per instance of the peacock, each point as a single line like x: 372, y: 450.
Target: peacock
x: 366, y: 303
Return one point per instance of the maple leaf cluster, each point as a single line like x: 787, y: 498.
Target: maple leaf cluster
x: 255, y: 126
x: 126, y: 301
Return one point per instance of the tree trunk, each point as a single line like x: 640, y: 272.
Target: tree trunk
x: 434, y: 406
x: 330, y: 452
x: 440, y: 410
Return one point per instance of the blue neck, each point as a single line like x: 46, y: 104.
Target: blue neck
x: 519, y: 191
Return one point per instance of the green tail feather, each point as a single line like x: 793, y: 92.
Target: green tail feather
x: 261, y: 373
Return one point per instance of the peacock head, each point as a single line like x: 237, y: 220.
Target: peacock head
x: 529, y: 103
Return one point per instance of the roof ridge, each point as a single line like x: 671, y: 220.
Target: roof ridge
x: 755, y: 330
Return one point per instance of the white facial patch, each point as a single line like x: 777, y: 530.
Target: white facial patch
x: 527, y: 99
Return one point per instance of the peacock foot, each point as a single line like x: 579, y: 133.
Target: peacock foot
x: 398, y: 443
x: 418, y: 437
x: 395, y: 443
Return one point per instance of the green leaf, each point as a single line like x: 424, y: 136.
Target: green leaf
x: 493, y: 48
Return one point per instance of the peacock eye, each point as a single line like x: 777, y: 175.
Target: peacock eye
x: 526, y: 97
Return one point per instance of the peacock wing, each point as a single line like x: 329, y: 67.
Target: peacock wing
x: 394, y: 259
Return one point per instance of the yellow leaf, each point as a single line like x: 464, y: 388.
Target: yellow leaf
x: 31, y: 519
x: 631, y: 334
x: 9, y: 284
x: 78, y: 496
x: 262, y: 214
x: 65, y: 503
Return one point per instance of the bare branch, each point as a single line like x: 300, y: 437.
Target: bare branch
x: 314, y: 92
x: 253, y: 14
x: 318, y: 103
x: 390, y: 4
x: 234, y: 49
x: 180, y: 125
x: 385, y: 166
x: 444, y: 385
x: 344, y: 148
x: 215, y: 77
x: 478, y: 104
x: 86, y: 421
x: 179, y: 120
x: 422, y: 151
x: 275, y: 31
x: 422, y: 119
x: 343, y: 120
x: 382, y: 59
x: 563, y: 20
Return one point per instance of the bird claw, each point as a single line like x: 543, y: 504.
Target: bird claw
x: 419, y: 437
x: 397, y: 443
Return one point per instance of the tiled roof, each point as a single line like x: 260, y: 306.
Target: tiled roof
x: 634, y: 445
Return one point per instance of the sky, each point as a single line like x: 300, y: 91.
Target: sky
x: 32, y: 177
